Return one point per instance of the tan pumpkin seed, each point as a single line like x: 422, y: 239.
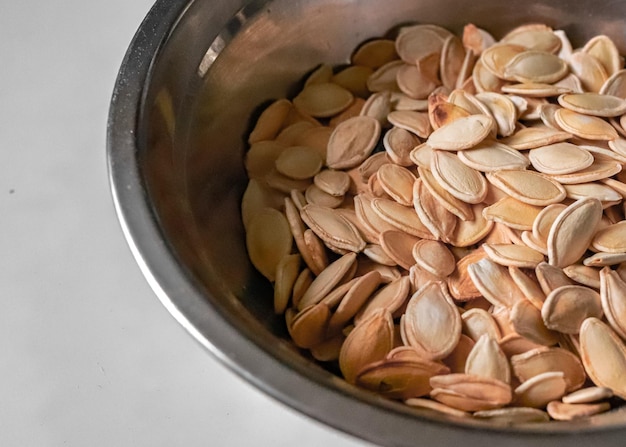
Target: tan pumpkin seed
x: 290, y: 134
x: 497, y: 57
x: 398, y: 245
x: 529, y: 287
x: 370, y: 218
x: 486, y: 359
x: 560, y: 158
x: 390, y: 297
x: 567, y: 307
x: 314, y: 195
x: 316, y: 137
x: 352, y: 142
x: 513, y: 255
x: 375, y: 53
x: 261, y: 158
x: 444, y: 113
x: 354, y: 109
x: 588, y: 395
x: 541, y: 389
x: 256, y: 197
x: 456, y: 206
x: 535, y: 66
x: 533, y: 137
x: 561, y: 411
x: 361, y: 288
x: 470, y: 232
x: 544, y: 221
x: 591, y: 72
x: 327, y: 280
x: 332, y: 227
x: 321, y: 74
x: 495, y: 283
x: 303, y: 282
x: 384, y: 78
x: 284, y: 184
x: 368, y: 342
x: 461, y: 181
x: 432, y: 321
x: 400, y: 379
x: 584, y: 126
x: 593, y: 104
x: 457, y: 358
x: 572, y: 231
x: 400, y: 101
x: 528, y: 186
x: 400, y: 217
x: 308, y: 327
x: 335, y: 183
x: 387, y: 273
x: 462, y: 133
x: 536, y: 89
x: 323, y: 100
x: 421, y: 155
x: 470, y: 393
x: 412, y: 121
x: 534, y: 36
x: 417, y: 80
x: 460, y: 283
x: 582, y: 274
x: 615, y: 85
x: 287, y: 272
x: 418, y: 41
x: 599, y: 170
x: 599, y: 191
x: 328, y: 350
x: 604, y: 50
x: 354, y: 79
x: 476, y: 40
x: 611, y: 239
x: 397, y: 181
x: 271, y: 121
x: 527, y: 321
x: 399, y: 143
x: 268, y: 239
x: 376, y: 253
x: 613, y: 295
x: 335, y: 296
x: 512, y: 213
x: 452, y: 60
x: 551, y: 277
x: 477, y: 323
x: 606, y: 154
x: 435, y: 217
x: 434, y: 257
x: 604, y: 356
x: 502, y: 109
x: 491, y: 155
x: 513, y: 415
x: 378, y: 106
x: 316, y: 250
x: 541, y: 360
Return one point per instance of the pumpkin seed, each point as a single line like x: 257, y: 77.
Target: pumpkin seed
x: 461, y: 181
x: 352, y: 142
x: 432, y: 321
x: 463, y: 133
x: 604, y: 355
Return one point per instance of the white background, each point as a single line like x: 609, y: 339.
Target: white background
x: 88, y: 355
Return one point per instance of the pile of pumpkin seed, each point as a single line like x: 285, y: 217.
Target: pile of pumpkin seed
x: 443, y: 219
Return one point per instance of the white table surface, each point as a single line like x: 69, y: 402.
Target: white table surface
x: 89, y: 356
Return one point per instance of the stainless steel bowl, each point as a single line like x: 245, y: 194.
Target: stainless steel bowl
x: 190, y: 85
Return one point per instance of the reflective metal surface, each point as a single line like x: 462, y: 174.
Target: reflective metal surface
x: 192, y: 82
